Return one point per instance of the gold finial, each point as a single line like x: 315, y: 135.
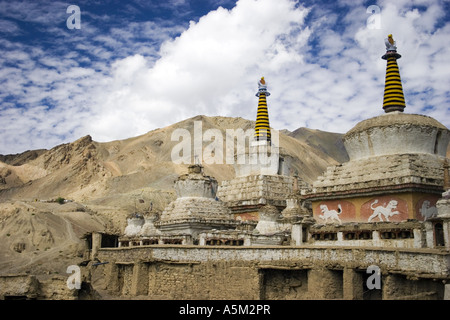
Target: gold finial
x: 390, y: 43
x: 390, y: 39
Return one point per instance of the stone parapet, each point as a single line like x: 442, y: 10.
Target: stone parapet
x: 408, y: 234
x: 383, y: 173
x: 417, y: 261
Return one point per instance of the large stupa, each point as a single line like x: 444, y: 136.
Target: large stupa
x: 396, y: 166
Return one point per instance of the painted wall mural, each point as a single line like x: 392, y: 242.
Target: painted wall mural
x: 248, y: 216
x: 379, y: 211
x: 330, y: 214
x: 426, y: 208
x: 336, y: 211
x: 384, y: 208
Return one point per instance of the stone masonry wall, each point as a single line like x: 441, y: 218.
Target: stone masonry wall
x: 256, y: 189
x: 201, y: 281
x: 382, y: 171
x: 192, y: 272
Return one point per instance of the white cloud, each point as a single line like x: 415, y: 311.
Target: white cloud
x: 327, y: 74
x: 222, y: 55
x: 10, y: 27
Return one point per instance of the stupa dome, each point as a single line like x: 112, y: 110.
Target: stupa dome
x: 396, y: 133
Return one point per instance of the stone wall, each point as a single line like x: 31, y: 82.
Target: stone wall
x: 410, y: 288
x: 256, y: 190
x: 192, y: 272
x: 380, y: 172
x: 19, y: 285
x: 189, y: 280
x: 29, y: 287
x: 284, y: 284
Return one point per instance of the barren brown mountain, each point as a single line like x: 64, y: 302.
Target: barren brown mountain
x: 103, y: 183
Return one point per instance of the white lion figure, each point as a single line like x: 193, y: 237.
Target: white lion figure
x: 426, y: 211
x: 385, y: 211
x: 330, y: 214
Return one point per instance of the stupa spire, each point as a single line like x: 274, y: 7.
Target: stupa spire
x: 262, y: 126
x: 394, y: 99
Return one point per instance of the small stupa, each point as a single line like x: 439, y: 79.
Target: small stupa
x: 196, y: 208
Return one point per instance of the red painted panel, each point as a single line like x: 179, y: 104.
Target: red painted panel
x: 252, y: 216
x: 334, y: 211
x: 426, y: 208
x: 384, y: 208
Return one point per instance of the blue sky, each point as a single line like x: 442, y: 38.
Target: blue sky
x: 140, y: 65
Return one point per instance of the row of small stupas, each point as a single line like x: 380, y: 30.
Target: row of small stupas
x: 395, y: 174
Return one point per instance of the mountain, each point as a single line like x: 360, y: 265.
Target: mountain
x: 328, y: 142
x: 105, y: 182
x: 90, y: 171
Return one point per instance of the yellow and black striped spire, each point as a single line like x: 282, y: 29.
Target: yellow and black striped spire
x: 394, y: 99
x: 262, y: 127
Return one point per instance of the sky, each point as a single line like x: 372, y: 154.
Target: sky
x: 118, y: 69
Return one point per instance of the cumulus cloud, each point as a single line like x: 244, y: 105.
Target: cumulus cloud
x: 322, y: 63
x: 220, y: 56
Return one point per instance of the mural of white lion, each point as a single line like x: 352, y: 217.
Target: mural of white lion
x: 383, y: 211
x: 427, y: 211
x: 330, y: 214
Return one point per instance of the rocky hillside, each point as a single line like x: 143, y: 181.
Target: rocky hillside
x: 328, y: 142
x: 91, y: 172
